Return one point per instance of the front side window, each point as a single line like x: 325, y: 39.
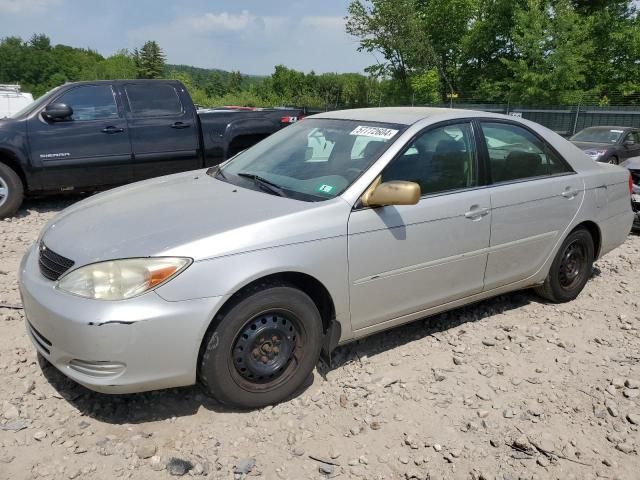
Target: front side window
x: 153, y: 100
x: 517, y: 154
x: 311, y: 160
x: 439, y: 160
x: 90, y: 102
x: 632, y: 138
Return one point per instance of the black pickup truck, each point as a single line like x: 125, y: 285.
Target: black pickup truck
x: 92, y: 135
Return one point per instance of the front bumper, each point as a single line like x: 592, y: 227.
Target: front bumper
x: 139, y: 344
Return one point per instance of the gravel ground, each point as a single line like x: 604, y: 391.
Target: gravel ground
x: 511, y: 388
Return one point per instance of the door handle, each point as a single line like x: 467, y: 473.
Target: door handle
x: 111, y: 129
x: 476, y: 213
x: 570, y: 193
x: 180, y: 125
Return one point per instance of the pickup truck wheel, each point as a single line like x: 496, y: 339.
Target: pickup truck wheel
x: 570, y: 269
x: 263, y: 349
x: 613, y: 160
x: 11, y: 191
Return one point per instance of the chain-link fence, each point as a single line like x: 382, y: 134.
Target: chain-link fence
x: 616, y: 109
x: 565, y: 120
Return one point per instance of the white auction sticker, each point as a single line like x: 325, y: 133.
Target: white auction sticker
x: 375, y: 132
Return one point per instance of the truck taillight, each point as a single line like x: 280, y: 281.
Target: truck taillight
x: 630, y: 183
x: 290, y: 119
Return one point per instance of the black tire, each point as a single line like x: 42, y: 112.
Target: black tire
x: 11, y: 191
x: 613, y: 160
x: 571, y: 268
x: 263, y: 348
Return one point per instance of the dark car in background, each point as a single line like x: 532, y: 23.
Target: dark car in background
x: 608, y: 144
x: 633, y: 165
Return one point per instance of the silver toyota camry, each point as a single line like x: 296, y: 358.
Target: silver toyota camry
x: 344, y: 224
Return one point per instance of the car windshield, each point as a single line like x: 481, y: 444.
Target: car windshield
x: 40, y: 101
x: 312, y: 160
x: 598, y: 135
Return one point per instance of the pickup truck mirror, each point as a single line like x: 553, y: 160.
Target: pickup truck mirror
x: 58, y: 111
x: 628, y: 143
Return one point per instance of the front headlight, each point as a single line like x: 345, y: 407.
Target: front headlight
x: 595, y: 153
x: 121, y: 279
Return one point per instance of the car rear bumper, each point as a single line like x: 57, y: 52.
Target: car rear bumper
x: 144, y: 343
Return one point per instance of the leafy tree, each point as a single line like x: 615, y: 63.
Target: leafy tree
x: 551, y: 52
x: 149, y: 60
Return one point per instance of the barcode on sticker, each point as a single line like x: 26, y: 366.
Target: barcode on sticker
x: 375, y: 132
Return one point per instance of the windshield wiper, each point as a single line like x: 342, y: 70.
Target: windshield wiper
x: 264, y: 183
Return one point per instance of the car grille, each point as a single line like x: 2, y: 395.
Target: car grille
x: 40, y: 339
x: 52, y: 265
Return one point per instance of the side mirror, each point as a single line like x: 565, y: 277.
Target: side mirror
x: 396, y: 192
x: 58, y: 111
x: 629, y: 143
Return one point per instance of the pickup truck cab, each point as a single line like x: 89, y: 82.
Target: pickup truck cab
x: 93, y: 135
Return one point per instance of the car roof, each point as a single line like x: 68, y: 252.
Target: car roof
x: 400, y: 115
x: 608, y: 127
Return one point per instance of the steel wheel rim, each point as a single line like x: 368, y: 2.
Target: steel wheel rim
x: 266, y: 350
x: 572, y: 266
x: 4, y: 192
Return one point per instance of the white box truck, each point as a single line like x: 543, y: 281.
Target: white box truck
x: 12, y: 100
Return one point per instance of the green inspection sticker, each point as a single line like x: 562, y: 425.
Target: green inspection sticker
x: 325, y: 188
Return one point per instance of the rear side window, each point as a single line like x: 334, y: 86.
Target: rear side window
x: 153, y: 100
x: 517, y: 154
x: 90, y: 102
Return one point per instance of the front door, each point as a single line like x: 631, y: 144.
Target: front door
x: 405, y: 259
x: 164, y: 131
x: 91, y: 148
x: 631, y: 145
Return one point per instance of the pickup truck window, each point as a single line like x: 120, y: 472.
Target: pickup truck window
x: 153, y: 100
x: 90, y: 102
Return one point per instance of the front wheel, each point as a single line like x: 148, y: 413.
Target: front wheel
x: 263, y: 349
x: 570, y: 269
x: 11, y: 191
x: 613, y: 160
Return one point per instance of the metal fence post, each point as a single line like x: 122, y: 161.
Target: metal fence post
x: 575, y: 123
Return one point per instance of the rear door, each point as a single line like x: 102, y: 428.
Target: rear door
x: 89, y: 149
x: 534, y: 197
x: 164, y: 129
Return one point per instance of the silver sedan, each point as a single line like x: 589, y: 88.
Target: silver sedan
x: 342, y: 225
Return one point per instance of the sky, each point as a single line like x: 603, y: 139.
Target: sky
x: 247, y: 35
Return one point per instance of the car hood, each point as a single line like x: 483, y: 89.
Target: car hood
x: 592, y: 145
x: 631, y: 163
x: 189, y: 214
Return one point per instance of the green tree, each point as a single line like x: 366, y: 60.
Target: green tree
x: 234, y: 84
x: 149, y: 60
x: 552, y: 51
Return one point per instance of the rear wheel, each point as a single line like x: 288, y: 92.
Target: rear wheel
x: 614, y: 160
x: 570, y: 269
x: 11, y: 191
x: 263, y: 349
